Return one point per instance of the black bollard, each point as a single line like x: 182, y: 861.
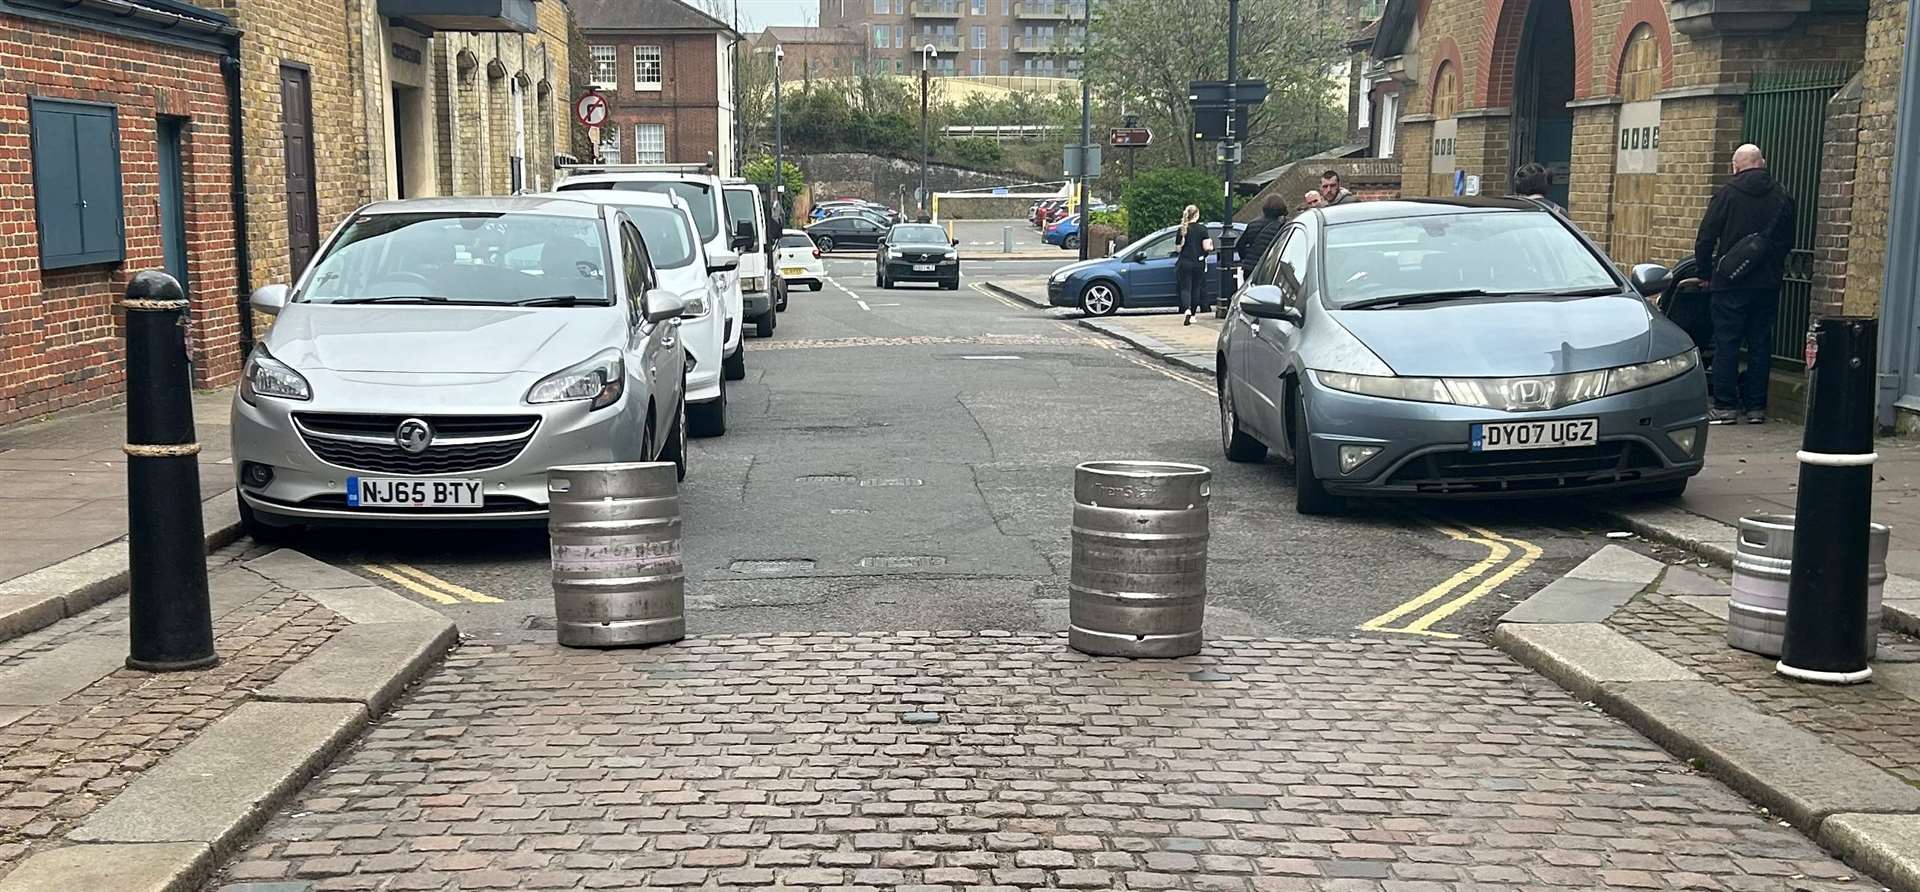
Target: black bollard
x: 1826, y: 634
x: 170, y: 620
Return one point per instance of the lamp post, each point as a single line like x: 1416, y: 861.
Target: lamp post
x: 1086, y: 121
x: 1230, y: 152
x: 926, y: 66
x: 779, y: 172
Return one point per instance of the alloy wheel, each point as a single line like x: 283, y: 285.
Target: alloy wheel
x: 1100, y: 300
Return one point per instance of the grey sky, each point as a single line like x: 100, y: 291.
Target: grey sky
x: 757, y: 14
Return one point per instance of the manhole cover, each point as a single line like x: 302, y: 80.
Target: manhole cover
x: 892, y: 481
x: 830, y: 479
x: 901, y: 562
x: 785, y: 565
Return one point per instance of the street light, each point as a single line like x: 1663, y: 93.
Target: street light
x: 1086, y: 122
x: 779, y: 173
x: 927, y: 54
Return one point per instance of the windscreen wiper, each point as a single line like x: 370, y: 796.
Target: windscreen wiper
x: 1427, y: 297
x: 390, y: 299
x: 560, y: 300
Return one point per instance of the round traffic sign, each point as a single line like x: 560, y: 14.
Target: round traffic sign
x: 591, y: 109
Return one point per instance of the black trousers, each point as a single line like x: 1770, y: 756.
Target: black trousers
x: 1192, y: 279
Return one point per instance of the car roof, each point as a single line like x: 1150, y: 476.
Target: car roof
x: 642, y: 176
x: 622, y: 197
x: 547, y: 205
x: 1362, y: 211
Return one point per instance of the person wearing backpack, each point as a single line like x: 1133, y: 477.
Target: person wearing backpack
x: 1744, y: 241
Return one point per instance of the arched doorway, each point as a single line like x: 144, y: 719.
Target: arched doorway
x: 1542, y: 86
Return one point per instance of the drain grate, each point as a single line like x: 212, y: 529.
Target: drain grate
x: 772, y: 567
x: 828, y: 479
x: 901, y: 562
x: 892, y: 481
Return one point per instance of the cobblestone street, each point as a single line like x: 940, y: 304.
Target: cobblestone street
x: 951, y: 759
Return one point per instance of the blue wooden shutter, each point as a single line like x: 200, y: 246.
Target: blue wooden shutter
x: 76, y: 178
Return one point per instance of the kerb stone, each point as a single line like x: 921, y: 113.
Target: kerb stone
x: 1886, y: 846
x: 301, y: 573
x: 1582, y: 657
x: 368, y: 664
x: 144, y: 867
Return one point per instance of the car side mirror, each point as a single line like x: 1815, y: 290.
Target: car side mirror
x: 269, y: 299
x: 1267, y: 302
x: 954, y: 242
x: 723, y: 263
x: 663, y: 305
x: 1650, y: 278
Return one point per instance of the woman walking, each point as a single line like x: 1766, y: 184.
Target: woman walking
x: 1191, y: 268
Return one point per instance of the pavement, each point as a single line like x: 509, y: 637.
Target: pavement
x: 987, y: 240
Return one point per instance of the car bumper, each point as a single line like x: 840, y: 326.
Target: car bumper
x: 903, y: 271
x: 757, y: 303
x: 1058, y: 295
x: 1425, y: 446
x: 307, y: 489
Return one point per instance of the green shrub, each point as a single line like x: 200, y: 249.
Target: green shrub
x: 1116, y: 218
x: 976, y: 151
x: 759, y: 171
x: 1155, y: 198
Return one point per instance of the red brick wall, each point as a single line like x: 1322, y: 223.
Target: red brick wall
x: 687, y: 101
x: 60, y: 331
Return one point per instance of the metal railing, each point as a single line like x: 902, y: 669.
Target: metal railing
x: 935, y: 9
x: 1047, y: 9
x: 1786, y: 116
x: 945, y: 43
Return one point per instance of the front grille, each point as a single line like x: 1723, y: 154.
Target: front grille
x: 338, y: 502
x: 1522, y: 470
x: 462, y: 443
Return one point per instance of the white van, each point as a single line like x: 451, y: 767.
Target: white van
x: 747, y: 216
x: 701, y: 189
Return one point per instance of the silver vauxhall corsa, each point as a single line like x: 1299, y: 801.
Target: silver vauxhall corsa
x: 1460, y: 348
x: 439, y: 355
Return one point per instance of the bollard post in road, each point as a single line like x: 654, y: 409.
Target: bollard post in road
x: 1006, y: 239
x: 1825, y: 639
x: 1138, y: 585
x: 170, y: 620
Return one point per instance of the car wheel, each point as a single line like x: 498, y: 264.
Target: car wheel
x: 675, y: 449
x: 879, y: 279
x: 266, y: 533
x: 765, y: 325
x: 1071, y: 243
x: 1239, y: 445
x: 1100, y: 298
x: 734, y: 367
x: 814, y: 286
x: 825, y: 244
x: 952, y: 284
x: 1310, y: 495
x: 709, y: 419
x: 780, y: 305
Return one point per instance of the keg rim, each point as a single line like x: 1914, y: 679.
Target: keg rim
x: 1784, y: 522
x: 1141, y: 468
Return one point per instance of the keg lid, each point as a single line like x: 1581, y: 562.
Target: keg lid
x: 1165, y: 486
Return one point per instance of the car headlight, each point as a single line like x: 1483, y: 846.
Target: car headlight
x: 1521, y: 394
x: 266, y: 376
x: 601, y: 379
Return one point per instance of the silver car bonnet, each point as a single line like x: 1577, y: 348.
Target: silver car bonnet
x: 413, y: 340
x: 1504, y: 338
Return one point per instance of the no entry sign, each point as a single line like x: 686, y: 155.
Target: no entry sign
x: 591, y: 109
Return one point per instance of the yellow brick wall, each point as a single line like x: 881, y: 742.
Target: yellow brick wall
x: 1873, y: 173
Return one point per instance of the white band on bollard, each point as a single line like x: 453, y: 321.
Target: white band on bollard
x: 1818, y: 677
x: 1830, y: 460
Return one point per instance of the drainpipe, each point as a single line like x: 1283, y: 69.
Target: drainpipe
x: 236, y: 144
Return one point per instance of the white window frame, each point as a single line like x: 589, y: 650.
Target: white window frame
x: 979, y: 37
x: 880, y: 8
x: 606, y: 61
x: 881, y: 36
x: 1389, y: 122
x: 610, y: 145
x: 640, y: 144
x: 643, y: 58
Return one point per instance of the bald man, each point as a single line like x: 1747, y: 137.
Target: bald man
x: 1741, y: 254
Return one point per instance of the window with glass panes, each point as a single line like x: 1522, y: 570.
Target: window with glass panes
x: 646, y: 68
x: 649, y: 143
x: 610, y: 145
x: 606, y: 69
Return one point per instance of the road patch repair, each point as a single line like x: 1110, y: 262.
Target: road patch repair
x: 1645, y: 642
x: 135, y: 782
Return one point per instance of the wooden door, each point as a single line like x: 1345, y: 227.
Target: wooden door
x: 296, y: 128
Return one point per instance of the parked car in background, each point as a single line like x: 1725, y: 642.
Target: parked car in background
x: 799, y: 261
x: 846, y: 232
x: 439, y: 355
x: 1462, y: 347
x: 747, y: 219
x: 917, y: 252
x: 1065, y: 232
x: 1138, y: 275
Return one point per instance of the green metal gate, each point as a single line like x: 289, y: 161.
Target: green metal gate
x: 1786, y: 116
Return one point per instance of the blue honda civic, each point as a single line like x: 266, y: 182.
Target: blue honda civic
x: 1138, y: 275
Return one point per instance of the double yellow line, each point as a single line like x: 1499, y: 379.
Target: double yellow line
x: 427, y: 585
x: 1499, y: 550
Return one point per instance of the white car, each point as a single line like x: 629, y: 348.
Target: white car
x: 799, y: 261
x: 702, y: 191
x: 748, y: 221
x: 671, y: 242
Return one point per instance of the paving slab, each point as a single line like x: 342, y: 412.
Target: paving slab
x: 53, y: 676
x: 1582, y: 657
x: 1688, y: 581
x: 11, y: 714
x: 1790, y: 771
x: 1616, y: 564
x: 302, y: 573
x: 1903, y: 678
x: 372, y: 604
x: 1886, y: 846
x: 1573, y: 600
x: 21, y: 613
x: 225, y: 781
x: 1712, y: 605
x: 140, y: 867
x: 368, y: 664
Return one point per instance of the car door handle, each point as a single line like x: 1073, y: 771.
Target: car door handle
x: 667, y: 343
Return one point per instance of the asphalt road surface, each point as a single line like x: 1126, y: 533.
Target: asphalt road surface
x: 902, y: 459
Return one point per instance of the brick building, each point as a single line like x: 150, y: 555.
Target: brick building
x: 114, y: 146
x: 667, y: 71
x: 810, y: 53
x: 1036, y: 38
x: 1636, y: 105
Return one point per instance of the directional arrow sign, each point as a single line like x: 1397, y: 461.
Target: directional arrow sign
x: 1131, y: 137
x: 591, y: 109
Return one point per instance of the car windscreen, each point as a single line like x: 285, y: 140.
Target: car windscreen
x: 917, y: 235
x: 741, y: 209
x: 463, y: 258
x: 796, y: 240
x: 669, y: 239
x: 1498, y: 253
x: 698, y: 196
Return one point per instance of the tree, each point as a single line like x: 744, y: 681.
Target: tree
x: 759, y: 171
x: 1156, y: 198
x: 755, y: 109
x: 1146, y: 51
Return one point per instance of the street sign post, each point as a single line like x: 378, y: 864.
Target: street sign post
x: 1130, y: 138
x: 1073, y: 164
x: 591, y: 109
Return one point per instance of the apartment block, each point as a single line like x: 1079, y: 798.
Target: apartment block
x: 1033, y: 38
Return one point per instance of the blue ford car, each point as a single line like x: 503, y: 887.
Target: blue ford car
x: 1138, y: 275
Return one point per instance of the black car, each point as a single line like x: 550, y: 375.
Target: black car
x: 917, y: 252
x: 851, y: 231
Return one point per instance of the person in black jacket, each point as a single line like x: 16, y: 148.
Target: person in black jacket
x: 1260, y: 233
x: 1190, y: 269
x: 1749, y: 231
